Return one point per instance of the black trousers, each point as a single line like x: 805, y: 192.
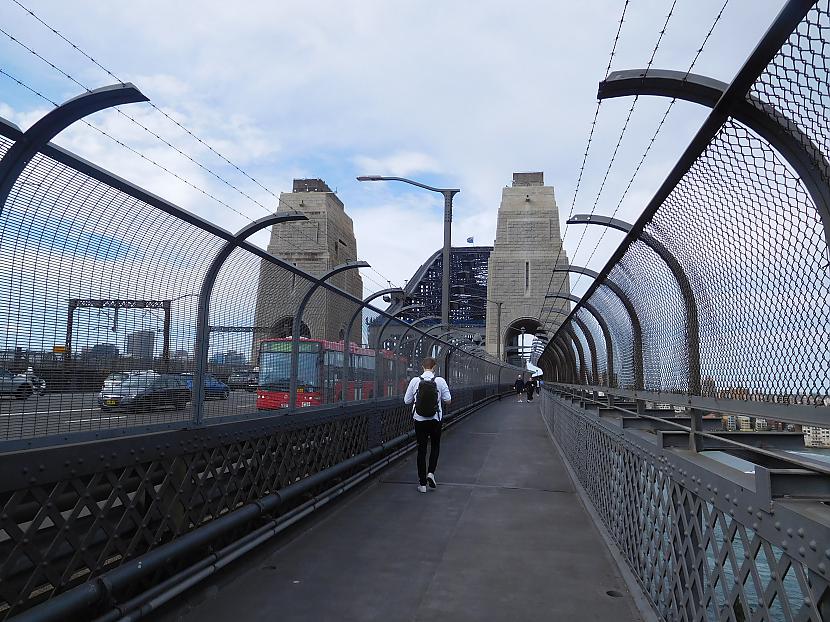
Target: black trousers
x: 429, y: 430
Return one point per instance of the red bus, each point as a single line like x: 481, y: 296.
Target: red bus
x: 319, y: 373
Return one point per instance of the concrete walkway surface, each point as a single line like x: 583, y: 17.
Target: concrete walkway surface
x: 504, y: 537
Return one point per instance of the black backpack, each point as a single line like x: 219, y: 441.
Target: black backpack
x: 426, y: 398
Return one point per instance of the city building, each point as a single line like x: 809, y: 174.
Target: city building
x: 141, y: 344
x: 230, y: 357
x: 316, y: 246
x: 816, y: 437
x: 101, y: 351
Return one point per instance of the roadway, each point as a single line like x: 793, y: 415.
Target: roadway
x: 504, y: 537
x: 62, y: 413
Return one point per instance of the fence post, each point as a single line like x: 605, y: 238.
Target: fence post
x: 205, y: 293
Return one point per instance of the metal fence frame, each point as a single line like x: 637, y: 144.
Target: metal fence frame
x: 734, y: 101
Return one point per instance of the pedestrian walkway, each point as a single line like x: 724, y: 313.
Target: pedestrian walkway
x: 504, y: 537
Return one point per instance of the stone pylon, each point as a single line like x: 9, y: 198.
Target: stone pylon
x: 528, y: 245
x: 317, y: 245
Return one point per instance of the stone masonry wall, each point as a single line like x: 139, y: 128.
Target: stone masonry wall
x: 316, y: 246
x: 524, y: 255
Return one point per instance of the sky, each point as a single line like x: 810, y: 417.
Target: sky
x: 453, y: 94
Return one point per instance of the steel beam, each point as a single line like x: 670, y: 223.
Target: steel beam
x: 206, y: 291
x: 796, y: 146
x: 606, y: 333
x: 686, y: 290
x: 583, y: 368
x: 53, y: 123
x: 636, y: 328
x: 589, y: 338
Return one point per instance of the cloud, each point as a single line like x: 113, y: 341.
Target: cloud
x: 399, y: 164
x: 330, y: 89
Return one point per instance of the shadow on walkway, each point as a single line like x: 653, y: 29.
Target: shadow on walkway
x: 504, y: 537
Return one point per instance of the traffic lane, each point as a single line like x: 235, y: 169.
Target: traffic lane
x: 63, y: 416
x: 48, y: 403
x: 54, y: 403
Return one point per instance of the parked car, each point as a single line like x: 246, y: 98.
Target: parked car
x: 16, y: 386
x: 213, y: 387
x: 145, y: 392
x: 245, y: 380
x: 253, y: 382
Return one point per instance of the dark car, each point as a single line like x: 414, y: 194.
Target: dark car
x: 253, y: 382
x: 246, y: 380
x: 213, y: 387
x: 238, y: 380
x: 146, y: 392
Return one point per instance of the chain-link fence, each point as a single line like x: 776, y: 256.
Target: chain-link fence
x: 717, y: 305
x: 726, y: 272
x: 122, y: 313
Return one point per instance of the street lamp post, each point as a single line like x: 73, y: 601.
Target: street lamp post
x: 448, y: 193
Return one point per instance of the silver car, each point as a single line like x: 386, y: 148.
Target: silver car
x: 16, y: 386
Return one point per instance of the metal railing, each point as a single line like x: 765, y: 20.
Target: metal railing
x: 724, y: 534
x: 681, y: 385
x: 106, y: 500
x: 720, y: 290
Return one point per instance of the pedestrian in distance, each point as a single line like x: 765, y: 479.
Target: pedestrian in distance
x: 426, y: 393
x: 530, y: 387
x: 519, y: 387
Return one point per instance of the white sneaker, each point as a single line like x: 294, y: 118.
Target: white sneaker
x: 422, y: 488
x: 431, y: 481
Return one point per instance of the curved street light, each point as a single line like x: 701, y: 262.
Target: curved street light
x: 448, y: 193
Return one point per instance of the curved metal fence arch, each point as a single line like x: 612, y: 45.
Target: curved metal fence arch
x: 744, y: 230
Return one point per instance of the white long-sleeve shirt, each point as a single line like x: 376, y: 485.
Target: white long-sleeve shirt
x: 443, y: 394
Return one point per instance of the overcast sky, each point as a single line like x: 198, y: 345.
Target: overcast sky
x: 453, y: 93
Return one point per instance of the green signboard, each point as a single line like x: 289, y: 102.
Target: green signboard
x: 285, y: 346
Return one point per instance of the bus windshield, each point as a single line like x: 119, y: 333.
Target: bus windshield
x: 275, y: 371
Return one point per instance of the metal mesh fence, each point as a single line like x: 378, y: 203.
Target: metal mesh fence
x: 793, y: 86
x: 619, y: 325
x: 701, y: 547
x: 599, y: 343
x: 728, y: 274
x: 650, y: 287
x: 101, y: 285
x: 761, y: 284
x: 97, y: 286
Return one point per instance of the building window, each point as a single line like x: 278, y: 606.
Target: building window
x: 527, y: 275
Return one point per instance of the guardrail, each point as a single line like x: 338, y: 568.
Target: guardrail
x: 91, y: 525
x: 708, y: 535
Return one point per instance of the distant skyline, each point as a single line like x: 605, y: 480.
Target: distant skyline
x: 441, y: 93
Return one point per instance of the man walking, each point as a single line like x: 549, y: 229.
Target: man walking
x: 426, y: 393
x: 519, y: 387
